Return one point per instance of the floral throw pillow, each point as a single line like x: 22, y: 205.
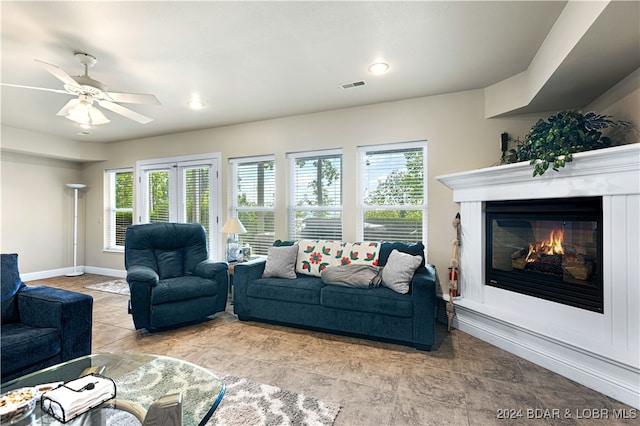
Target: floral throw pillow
x: 316, y: 255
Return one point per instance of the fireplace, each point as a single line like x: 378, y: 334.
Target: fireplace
x: 547, y: 248
x: 597, y: 348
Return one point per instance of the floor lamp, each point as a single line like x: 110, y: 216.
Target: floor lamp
x: 75, y: 187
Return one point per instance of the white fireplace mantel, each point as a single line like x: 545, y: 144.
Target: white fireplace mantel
x: 599, y: 350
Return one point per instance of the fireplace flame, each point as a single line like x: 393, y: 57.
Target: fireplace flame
x: 548, y: 247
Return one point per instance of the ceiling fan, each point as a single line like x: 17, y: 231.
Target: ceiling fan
x: 88, y: 91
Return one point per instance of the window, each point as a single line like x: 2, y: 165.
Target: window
x: 315, y: 205
x: 393, y: 192
x: 182, y: 189
x: 253, y: 200
x: 119, y: 212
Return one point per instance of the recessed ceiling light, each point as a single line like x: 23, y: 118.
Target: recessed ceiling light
x: 196, y: 104
x: 378, y: 68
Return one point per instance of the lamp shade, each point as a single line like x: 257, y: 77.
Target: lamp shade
x: 82, y: 111
x: 233, y: 226
x: 87, y: 114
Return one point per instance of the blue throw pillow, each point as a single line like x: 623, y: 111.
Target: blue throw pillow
x: 387, y: 247
x: 280, y: 243
x: 10, y: 285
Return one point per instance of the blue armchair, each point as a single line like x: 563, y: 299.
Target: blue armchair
x: 41, y: 326
x: 171, y: 279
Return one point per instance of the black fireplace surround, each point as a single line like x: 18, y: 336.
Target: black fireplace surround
x: 549, y: 248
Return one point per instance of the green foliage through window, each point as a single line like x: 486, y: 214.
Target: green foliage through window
x: 255, y: 201
x: 394, y: 194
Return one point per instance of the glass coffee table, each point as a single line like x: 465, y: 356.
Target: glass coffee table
x: 140, y: 380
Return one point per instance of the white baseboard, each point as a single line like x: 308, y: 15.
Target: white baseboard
x: 41, y: 275
x: 120, y: 273
x: 610, y: 377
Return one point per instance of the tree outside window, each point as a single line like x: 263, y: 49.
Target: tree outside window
x: 120, y: 210
x: 254, y: 200
x: 393, y: 196
x: 316, y: 211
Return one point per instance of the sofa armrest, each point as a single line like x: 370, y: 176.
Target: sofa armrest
x: 219, y: 273
x: 243, y: 274
x: 424, y: 307
x: 140, y: 279
x: 142, y: 275
x: 209, y: 269
x: 68, y: 311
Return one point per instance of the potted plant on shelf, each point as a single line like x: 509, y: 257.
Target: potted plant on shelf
x: 552, y: 142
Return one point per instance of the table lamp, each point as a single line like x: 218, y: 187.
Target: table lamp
x: 233, y: 227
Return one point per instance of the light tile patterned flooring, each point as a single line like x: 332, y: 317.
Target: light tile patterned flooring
x: 463, y: 381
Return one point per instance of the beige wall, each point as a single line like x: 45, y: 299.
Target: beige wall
x: 37, y: 211
x: 459, y: 138
x: 622, y: 102
x: 458, y: 135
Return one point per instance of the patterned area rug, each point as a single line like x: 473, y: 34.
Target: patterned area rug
x: 117, y: 286
x: 249, y: 403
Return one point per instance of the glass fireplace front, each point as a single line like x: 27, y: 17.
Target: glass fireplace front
x: 551, y: 249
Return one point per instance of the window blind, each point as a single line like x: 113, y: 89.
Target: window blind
x: 393, y: 193
x: 316, y: 198
x: 158, y: 195
x: 196, y: 192
x: 254, y: 200
x: 119, y: 211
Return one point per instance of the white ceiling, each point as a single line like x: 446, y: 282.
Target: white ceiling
x: 258, y: 60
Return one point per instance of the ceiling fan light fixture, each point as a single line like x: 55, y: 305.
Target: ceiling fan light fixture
x: 85, y: 114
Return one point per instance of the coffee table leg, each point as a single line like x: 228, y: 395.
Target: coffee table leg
x: 165, y: 411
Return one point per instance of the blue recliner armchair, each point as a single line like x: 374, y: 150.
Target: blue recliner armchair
x: 171, y: 279
x: 41, y: 326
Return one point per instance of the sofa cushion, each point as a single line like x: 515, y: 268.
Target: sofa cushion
x: 182, y: 288
x: 301, y: 290
x: 10, y: 285
x: 359, y: 253
x: 170, y: 262
x: 23, y: 346
x: 378, y: 300
x: 398, y: 272
x: 316, y: 255
x: 280, y: 243
x: 387, y: 247
x: 352, y: 275
x: 281, y: 262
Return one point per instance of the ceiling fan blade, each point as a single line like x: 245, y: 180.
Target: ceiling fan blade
x: 133, y: 98
x: 126, y: 112
x: 72, y: 103
x: 35, y: 88
x: 58, y: 73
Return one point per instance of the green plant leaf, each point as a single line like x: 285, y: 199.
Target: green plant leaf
x: 552, y: 141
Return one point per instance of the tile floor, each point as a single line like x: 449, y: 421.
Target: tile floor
x: 463, y: 381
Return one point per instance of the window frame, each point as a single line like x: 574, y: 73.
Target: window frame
x: 110, y: 225
x: 176, y: 186
x: 233, y: 205
x: 291, y: 198
x: 362, y: 207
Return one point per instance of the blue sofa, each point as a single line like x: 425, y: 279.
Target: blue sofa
x: 377, y: 313
x: 171, y: 279
x: 41, y: 326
